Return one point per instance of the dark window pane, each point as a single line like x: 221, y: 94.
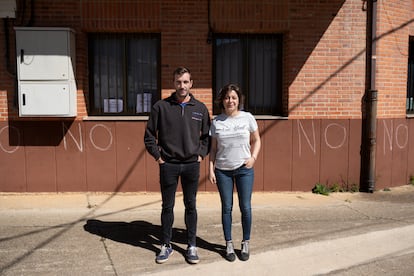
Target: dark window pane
x: 228, y: 62
x: 254, y: 63
x: 124, y: 73
x: 142, y: 74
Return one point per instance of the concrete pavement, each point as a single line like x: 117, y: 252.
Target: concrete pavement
x: 293, y: 234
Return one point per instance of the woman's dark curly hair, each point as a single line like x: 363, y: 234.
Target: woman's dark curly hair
x: 223, y: 92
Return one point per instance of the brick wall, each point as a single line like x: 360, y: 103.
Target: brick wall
x: 324, y: 81
x: 392, y: 52
x: 327, y: 60
x: 7, y: 72
x: 324, y: 46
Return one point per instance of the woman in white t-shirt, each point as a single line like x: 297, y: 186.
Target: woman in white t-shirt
x: 235, y: 145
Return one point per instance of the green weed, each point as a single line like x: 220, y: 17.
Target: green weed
x: 334, y: 188
x: 320, y: 189
x: 411, y: 179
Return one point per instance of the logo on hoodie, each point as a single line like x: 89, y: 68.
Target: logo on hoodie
x: 197, y: 116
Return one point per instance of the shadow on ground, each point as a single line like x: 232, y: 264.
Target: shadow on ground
x: 145, y: 235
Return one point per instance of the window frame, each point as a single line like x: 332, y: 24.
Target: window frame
x: 410, y: 78
x: 124, y: 39
x: 245, y: 39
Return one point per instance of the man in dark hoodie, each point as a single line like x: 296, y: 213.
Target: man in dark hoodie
x: 177, y: 136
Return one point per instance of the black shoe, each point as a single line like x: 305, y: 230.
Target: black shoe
x: 166, y: 252
x: 230, y: 255
x: 191, y: 255
x: 244, y: 256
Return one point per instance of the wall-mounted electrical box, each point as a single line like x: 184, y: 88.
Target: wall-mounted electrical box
x: 46, y: 72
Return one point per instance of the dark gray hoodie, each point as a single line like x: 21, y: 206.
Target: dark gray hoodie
x: 178, y: 133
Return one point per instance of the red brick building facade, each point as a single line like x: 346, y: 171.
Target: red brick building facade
x: 315, y: 138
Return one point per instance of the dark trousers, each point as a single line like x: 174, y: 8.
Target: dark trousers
x: 189, y: 174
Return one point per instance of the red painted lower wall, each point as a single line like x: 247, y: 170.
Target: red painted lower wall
x: 110, y: 156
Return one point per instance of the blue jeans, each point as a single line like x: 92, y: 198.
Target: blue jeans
x: 189, y: 173
x: 243, y: 179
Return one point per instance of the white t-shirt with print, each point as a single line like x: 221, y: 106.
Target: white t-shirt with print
x: 233, y: 139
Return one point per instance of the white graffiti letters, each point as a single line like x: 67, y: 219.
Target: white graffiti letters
x: 68, y: 136
x: 2, y: 147
x: 399, y: 133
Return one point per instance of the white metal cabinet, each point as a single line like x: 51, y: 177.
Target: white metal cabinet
x: 45, y: 71
x: 45, y: 99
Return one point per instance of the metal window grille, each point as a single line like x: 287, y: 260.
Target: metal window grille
x: 124, y: 73
x: 254, y: 62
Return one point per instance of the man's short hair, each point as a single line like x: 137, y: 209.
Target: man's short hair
x: 181, y: 71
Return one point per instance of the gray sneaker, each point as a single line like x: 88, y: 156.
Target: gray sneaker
x: 230, y: 255
x: 191, y: 255
x: 166, y: 252
x: 244, y: 256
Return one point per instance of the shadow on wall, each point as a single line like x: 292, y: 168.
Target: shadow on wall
x: 38, y: 133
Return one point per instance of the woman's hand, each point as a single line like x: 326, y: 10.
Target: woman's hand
x: 212, y: 175
x: 212, y: 178
x: 250, y: 162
